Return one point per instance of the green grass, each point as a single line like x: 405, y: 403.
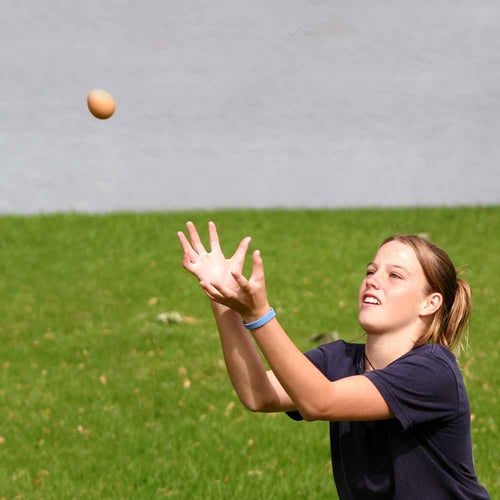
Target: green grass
x: 100, y: 400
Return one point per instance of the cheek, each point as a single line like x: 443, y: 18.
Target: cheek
x: 406, y: 298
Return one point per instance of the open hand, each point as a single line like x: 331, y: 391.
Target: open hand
x: 211, y: 266
x: 222, y: 279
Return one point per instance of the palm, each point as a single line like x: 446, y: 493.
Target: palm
x: 211, y: 266
x: 214, y: 267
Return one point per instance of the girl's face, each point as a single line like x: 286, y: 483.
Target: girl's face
x: 392, y: 294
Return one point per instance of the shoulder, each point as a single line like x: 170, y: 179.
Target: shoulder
x: 424, y: 383
x: 338, y: 348
x: 433, y: 357
x: 425, y: 364
x: 435, y: 351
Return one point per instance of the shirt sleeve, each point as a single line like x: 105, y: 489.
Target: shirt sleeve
x: 418, y: 388
x: 334, y: 360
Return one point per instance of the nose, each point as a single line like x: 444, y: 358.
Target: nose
x: 372, y: 280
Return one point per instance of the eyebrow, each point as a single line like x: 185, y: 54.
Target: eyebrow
x: 390, y: 265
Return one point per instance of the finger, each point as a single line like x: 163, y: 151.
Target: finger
x: 241, y: 252
x: 210, y: 296
x: 224, y: 291
x: 211, y: 291
x: 240, y: 279
x: 187, y: 262
x: 213, y: 236
x: 219, y: 300
x: 257, y: 267
x: 186, y: 246
x: 195, y: 238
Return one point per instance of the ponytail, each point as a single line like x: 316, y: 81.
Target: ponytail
x: 449, y: 326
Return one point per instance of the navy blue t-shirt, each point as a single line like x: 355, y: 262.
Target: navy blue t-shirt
x: 425, y: 452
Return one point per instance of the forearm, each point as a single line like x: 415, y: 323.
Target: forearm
x: 244, y: 364
x: 258, y: 388
x: 307, y: 387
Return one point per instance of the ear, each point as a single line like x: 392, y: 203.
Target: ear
x: 431, y: 304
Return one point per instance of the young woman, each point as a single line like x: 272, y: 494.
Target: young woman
x: 397, y: 406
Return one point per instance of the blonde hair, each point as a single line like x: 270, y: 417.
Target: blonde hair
x: 451, y: 319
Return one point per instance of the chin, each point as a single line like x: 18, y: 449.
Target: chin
x: 371, y: 326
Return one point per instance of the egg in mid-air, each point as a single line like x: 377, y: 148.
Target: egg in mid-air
x: 101, y: 103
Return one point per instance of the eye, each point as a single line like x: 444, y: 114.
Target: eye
x: 369, y: 272
x: 395, y: 275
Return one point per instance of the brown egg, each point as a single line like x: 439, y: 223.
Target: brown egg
x: 101, y: 103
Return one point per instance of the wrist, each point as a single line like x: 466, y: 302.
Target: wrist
x: 254, y: 315
x: 261, y: 320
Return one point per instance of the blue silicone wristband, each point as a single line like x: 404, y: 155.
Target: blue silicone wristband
x: 261, y: 321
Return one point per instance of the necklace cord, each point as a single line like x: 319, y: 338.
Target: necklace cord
x: 369, y: 362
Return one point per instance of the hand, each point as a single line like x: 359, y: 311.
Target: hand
x: 221, y: 278
x: 213, y: 265
x: 249, y: 298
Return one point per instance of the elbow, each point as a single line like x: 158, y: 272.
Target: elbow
x: 261, y: 405
x: 308, y: 415
x: 313, y: 412
x: 254, y: 405
x: 318, y: 405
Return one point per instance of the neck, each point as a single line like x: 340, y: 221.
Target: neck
x: 382, y: 350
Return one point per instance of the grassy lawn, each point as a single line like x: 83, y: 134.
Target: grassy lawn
x: 101, y: 399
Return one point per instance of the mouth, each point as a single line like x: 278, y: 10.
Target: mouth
x: 370, y: 300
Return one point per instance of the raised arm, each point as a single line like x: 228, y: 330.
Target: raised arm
x: 316, y: 397
x: 257, y: 388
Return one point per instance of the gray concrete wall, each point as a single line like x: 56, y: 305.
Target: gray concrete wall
x: 249, y: 104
